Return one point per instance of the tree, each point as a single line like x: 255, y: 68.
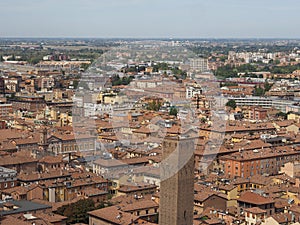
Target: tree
x: 154, y: 106
x: 282, y: 115
x: 77, y: 212
x: 203, y: 120
x: 12, y: 58
x: 231, y: 103
x: 267, y: 86
x: 12, y: 96
x: 173, y: 111
x: 85, y: 66
x: 34, y: 60
x: 116, y: 80
x: 75, y: 84
x: 258, y: 91
x: 160, y: 66
x: 223, y: 58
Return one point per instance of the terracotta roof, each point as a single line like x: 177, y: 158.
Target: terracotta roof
x: 262, y: 153
x: 212, y: 221
x: 286, y: 178
x: 52, y: 159
x: 109, y: 163
x: 259, y: 179
x: 139, y: 205
x: 70, y: 137
x: 114, y: 215
x: 282, y: 217
x: 52, y: 174
x: 7, y: 146
x: 16, y: 158
x: 295, y: 208
x: 51, y: 217
x: 202, y: 196
x: 174, y: 129
x: 144, y: 130
x: 90, y: 191
x: 126, y: 199
x: 227, y: 187
x: 9, y: 220
x: 293, y: 189
x: 284, y: 123
x: 281, y: 203
x: 21, y: 190
x: 232, y: 127
x: 32, y: 139
x: 244, y: 145
x: 241, y: 180
x: 136, y: 160
x: 10, y: 134
x: 255, y: 199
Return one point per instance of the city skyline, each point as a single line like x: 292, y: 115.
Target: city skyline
x: 150, y: 19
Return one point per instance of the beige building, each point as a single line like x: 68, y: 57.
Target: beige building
x: 293, y: 116
x: 291, y: 169
x: 255, y: 215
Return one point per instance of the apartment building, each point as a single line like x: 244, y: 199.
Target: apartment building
x: 258, y: 113
x: 5, y: 109
x: 199, y: 64
x: 260, y: 161
x: 8, y: 178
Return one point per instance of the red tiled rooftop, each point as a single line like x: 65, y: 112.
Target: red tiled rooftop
x: 255, y: 199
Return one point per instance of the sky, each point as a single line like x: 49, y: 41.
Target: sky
x: 150, y: 18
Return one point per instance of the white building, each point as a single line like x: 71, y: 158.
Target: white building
x: 192, y: 91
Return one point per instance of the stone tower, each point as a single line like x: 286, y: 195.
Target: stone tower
x: 177, y: 181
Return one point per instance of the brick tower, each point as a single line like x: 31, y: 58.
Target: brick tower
x: 177, y: 181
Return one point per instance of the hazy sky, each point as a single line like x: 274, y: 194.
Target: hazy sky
x: 150, y: 18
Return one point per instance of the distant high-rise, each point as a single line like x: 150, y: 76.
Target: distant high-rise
x: 199, y: 64
x: 177, y: 181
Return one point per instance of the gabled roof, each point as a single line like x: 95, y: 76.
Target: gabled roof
x: 255, y: 199
x: 114, y: 215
